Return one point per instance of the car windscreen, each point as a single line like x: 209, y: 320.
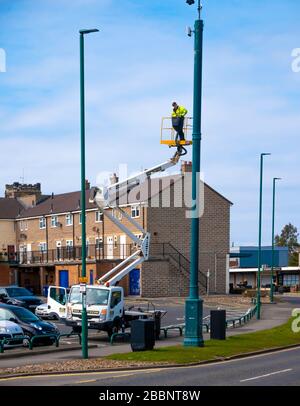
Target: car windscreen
x: 25, y: 315
x: 94, y: 296
x: 17, y: 292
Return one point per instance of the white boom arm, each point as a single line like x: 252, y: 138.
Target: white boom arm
x: 109, y: 196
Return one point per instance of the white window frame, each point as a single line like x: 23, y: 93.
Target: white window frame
x: 135, y: 211
x: 42, y: 221
x: 99, y: 217
x: 97, y: 241
x: 42, y: 246
x: 54, y: 225
x: 69, y: 243
x: 23, y: 225
x: 69, y: 220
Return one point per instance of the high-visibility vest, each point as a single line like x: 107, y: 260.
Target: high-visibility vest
x: 180, y: 112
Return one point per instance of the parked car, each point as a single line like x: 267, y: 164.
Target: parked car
x: 44, y: 312
x: 12, y: 331
x: 18, y: 296
x: 29, y: 322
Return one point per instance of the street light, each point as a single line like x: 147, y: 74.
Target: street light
x: 83, y: 205
x: 194, y: 304
x: 273, y: 239
x: 259, y: 234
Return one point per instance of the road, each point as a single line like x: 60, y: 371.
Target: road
x: 273, y: 369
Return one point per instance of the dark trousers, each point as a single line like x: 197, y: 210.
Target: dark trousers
x: 178, y: 123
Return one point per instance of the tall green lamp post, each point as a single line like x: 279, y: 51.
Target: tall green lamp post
x: 258, y: 295
x: 273, y: 239
x: 82, y: 33
x: 194, y: 304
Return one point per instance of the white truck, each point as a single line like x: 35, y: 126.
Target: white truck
x: 105, y: 301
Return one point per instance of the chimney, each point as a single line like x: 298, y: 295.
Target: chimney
x: 186, y: 166
x: 114, y: 179
x: 87, y: 185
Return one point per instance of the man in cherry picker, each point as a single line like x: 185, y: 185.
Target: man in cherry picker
x: 178, y: 115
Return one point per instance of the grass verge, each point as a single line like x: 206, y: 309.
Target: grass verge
x: 280, y: 336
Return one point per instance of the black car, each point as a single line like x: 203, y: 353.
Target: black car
x: 30, y: 323
x: 17, y: 296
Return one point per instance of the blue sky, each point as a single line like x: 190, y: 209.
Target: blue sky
x: 135, y: 67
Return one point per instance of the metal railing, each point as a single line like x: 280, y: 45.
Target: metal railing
x: 167, y: 250
x: 62, y: 254
x: 168, y: 134
x: 31, y: 340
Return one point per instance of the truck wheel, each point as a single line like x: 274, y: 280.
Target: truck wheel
x: 113, y: 330
x: 77, y: 329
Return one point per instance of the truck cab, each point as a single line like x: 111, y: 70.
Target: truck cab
x: 104, y: 306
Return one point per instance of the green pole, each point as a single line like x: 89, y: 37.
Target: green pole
x: 273, y: 239
x: 194, y: 304
x: 83, y: 205
x: 258, y: 297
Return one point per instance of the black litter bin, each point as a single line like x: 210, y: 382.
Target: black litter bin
x: 218, y: 324
x: 142, y: 335
x: 157, y: 319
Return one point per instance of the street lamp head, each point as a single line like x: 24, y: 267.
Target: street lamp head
x: 83, y: 32
x: 277, y: 178
x: 265, y: 153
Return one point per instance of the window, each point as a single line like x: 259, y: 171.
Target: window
x: 5, y: 315
x: 43, y: 246
x: 290, y: 280
x: 99, y: 243
x: 116, y: 298
x: 42, y: 223
x: 115, y: 241
x: 99, y: 217
x: 54, y: 221
x: 58, y: 294
x: 23, y: 225
x: 69, y: 219
x: 94, y: 296
x: 69, y: 243
x: 80, y: 218
x: 135, y: 211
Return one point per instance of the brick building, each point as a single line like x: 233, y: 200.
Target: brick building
x: 9, y: 210
x: 48, y: 240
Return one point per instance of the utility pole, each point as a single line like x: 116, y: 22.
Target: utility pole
x: 83, y: 205
x: 258, y: 295
x: 273, y: 239
x: 194, y: 304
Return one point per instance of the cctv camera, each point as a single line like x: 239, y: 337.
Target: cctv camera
x: 189, y: 31
x: 190, y: 2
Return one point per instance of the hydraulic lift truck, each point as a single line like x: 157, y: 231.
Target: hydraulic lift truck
x: 105, y: 300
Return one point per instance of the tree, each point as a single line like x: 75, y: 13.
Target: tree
x: 289, y: 238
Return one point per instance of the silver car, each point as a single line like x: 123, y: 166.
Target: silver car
x: 11, y: 331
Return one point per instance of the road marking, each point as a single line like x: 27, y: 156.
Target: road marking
x: 87, y: 381
x: 266, y: 375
